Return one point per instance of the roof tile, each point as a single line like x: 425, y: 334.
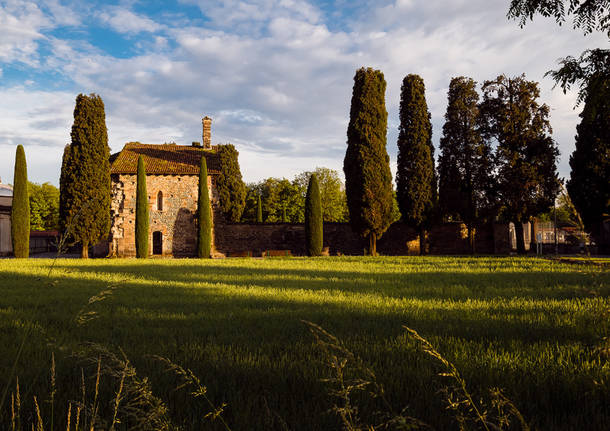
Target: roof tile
x: 165, y: 159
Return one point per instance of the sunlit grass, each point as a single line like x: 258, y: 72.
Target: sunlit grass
x: 527, y: 325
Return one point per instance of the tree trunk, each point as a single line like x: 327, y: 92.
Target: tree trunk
x: 533, y: 229
x: 372, y: 244
x: 84, y: 253
x: 471, y: 237
x: 520, y: 238
x: 422, y: 242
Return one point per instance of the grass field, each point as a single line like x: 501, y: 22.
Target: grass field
x: 530, y: 326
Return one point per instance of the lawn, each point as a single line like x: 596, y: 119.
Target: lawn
x: 529, y: 326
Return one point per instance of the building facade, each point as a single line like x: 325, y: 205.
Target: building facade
x: 172, y: 182
x: 6, y: 203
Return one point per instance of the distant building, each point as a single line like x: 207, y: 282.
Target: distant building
x: 172, y: 181
x: 6, y: 203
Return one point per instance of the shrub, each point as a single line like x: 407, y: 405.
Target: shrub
x: 313, y: 218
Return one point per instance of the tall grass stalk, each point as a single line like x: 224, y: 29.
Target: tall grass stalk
x: 26, y: 334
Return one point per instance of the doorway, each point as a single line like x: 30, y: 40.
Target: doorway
x: 157, y: 242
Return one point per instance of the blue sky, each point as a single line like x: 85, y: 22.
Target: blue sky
x: 274, y: 75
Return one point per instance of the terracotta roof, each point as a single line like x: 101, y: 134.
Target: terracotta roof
x: 166, y: 159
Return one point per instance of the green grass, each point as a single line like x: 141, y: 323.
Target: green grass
x: 530, y: 326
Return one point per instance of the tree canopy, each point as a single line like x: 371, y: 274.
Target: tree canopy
x: 465, y: 165
x: 526, y: 155
x: 280, y: 199
x: 588, y: 15
x: 368, y: 180
x: 332, y: 193
x: 85, y: 175
x: 284, y: 200
x: 579, y: 71
x: 44, y: 206
x: 589, y: 184
x: 230, y: 186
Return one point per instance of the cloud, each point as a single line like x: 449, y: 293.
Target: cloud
x: 40, y: 121
x: 276, y: 75
x: 21, y: 24
x: 123, y: 20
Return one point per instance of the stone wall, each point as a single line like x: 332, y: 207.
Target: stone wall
x: 449, y: 238
x: 176, y: 220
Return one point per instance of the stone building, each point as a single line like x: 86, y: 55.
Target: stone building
x: 172, y: 179
x: 6, y: 203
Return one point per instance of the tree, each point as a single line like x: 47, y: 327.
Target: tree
x: 259, y: 210
x: 20, y: 211
x: 141, y: 212
x: 281, y: 201
x: 44, y: 206
x: 465, y: 159
x: 332, y: 193
x: 313, y: 218
x: 368, y: 180
x: 589, y: 184
x: 85, y: 177
x: 230, y: 186
x: 415, y: 174
x: 526, y: 155
x: 591, y: 64
x: 589, y: 15
x: 204, y: 216
x: 279, y: 195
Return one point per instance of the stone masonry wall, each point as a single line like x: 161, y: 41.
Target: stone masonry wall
x: 176, y: 220
x: 399, y: 239
x: 177, y: 223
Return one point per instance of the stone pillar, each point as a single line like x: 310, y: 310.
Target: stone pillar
x: 207, y: 132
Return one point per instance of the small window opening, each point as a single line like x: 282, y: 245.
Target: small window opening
x: 160, y: 201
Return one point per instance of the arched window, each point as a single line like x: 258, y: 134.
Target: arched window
x: 160, y: 201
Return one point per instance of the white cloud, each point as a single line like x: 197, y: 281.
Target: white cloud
x: 21, y: 24
x: 40, y: 121
x: 123, y: 20
x: 277, y: 80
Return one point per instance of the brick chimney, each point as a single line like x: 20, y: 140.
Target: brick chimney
x: 207, y: 132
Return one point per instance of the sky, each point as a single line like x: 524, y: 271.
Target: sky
x: 275, y: 76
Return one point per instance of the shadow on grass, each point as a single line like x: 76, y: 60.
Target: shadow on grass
x: 435, y: 283
x: 252, y: 350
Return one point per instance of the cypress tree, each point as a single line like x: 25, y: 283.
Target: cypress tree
x: 313, y: 218
x: 259, y: 210
x: 85, y: 177
x: 20, y: 211
x: 415, y: 175
x: 368, y: 180
x: 204, y: 217
x: 589, y: 184
x: 141, y: 212
x: 465, y: 159
x: 230, y: 186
